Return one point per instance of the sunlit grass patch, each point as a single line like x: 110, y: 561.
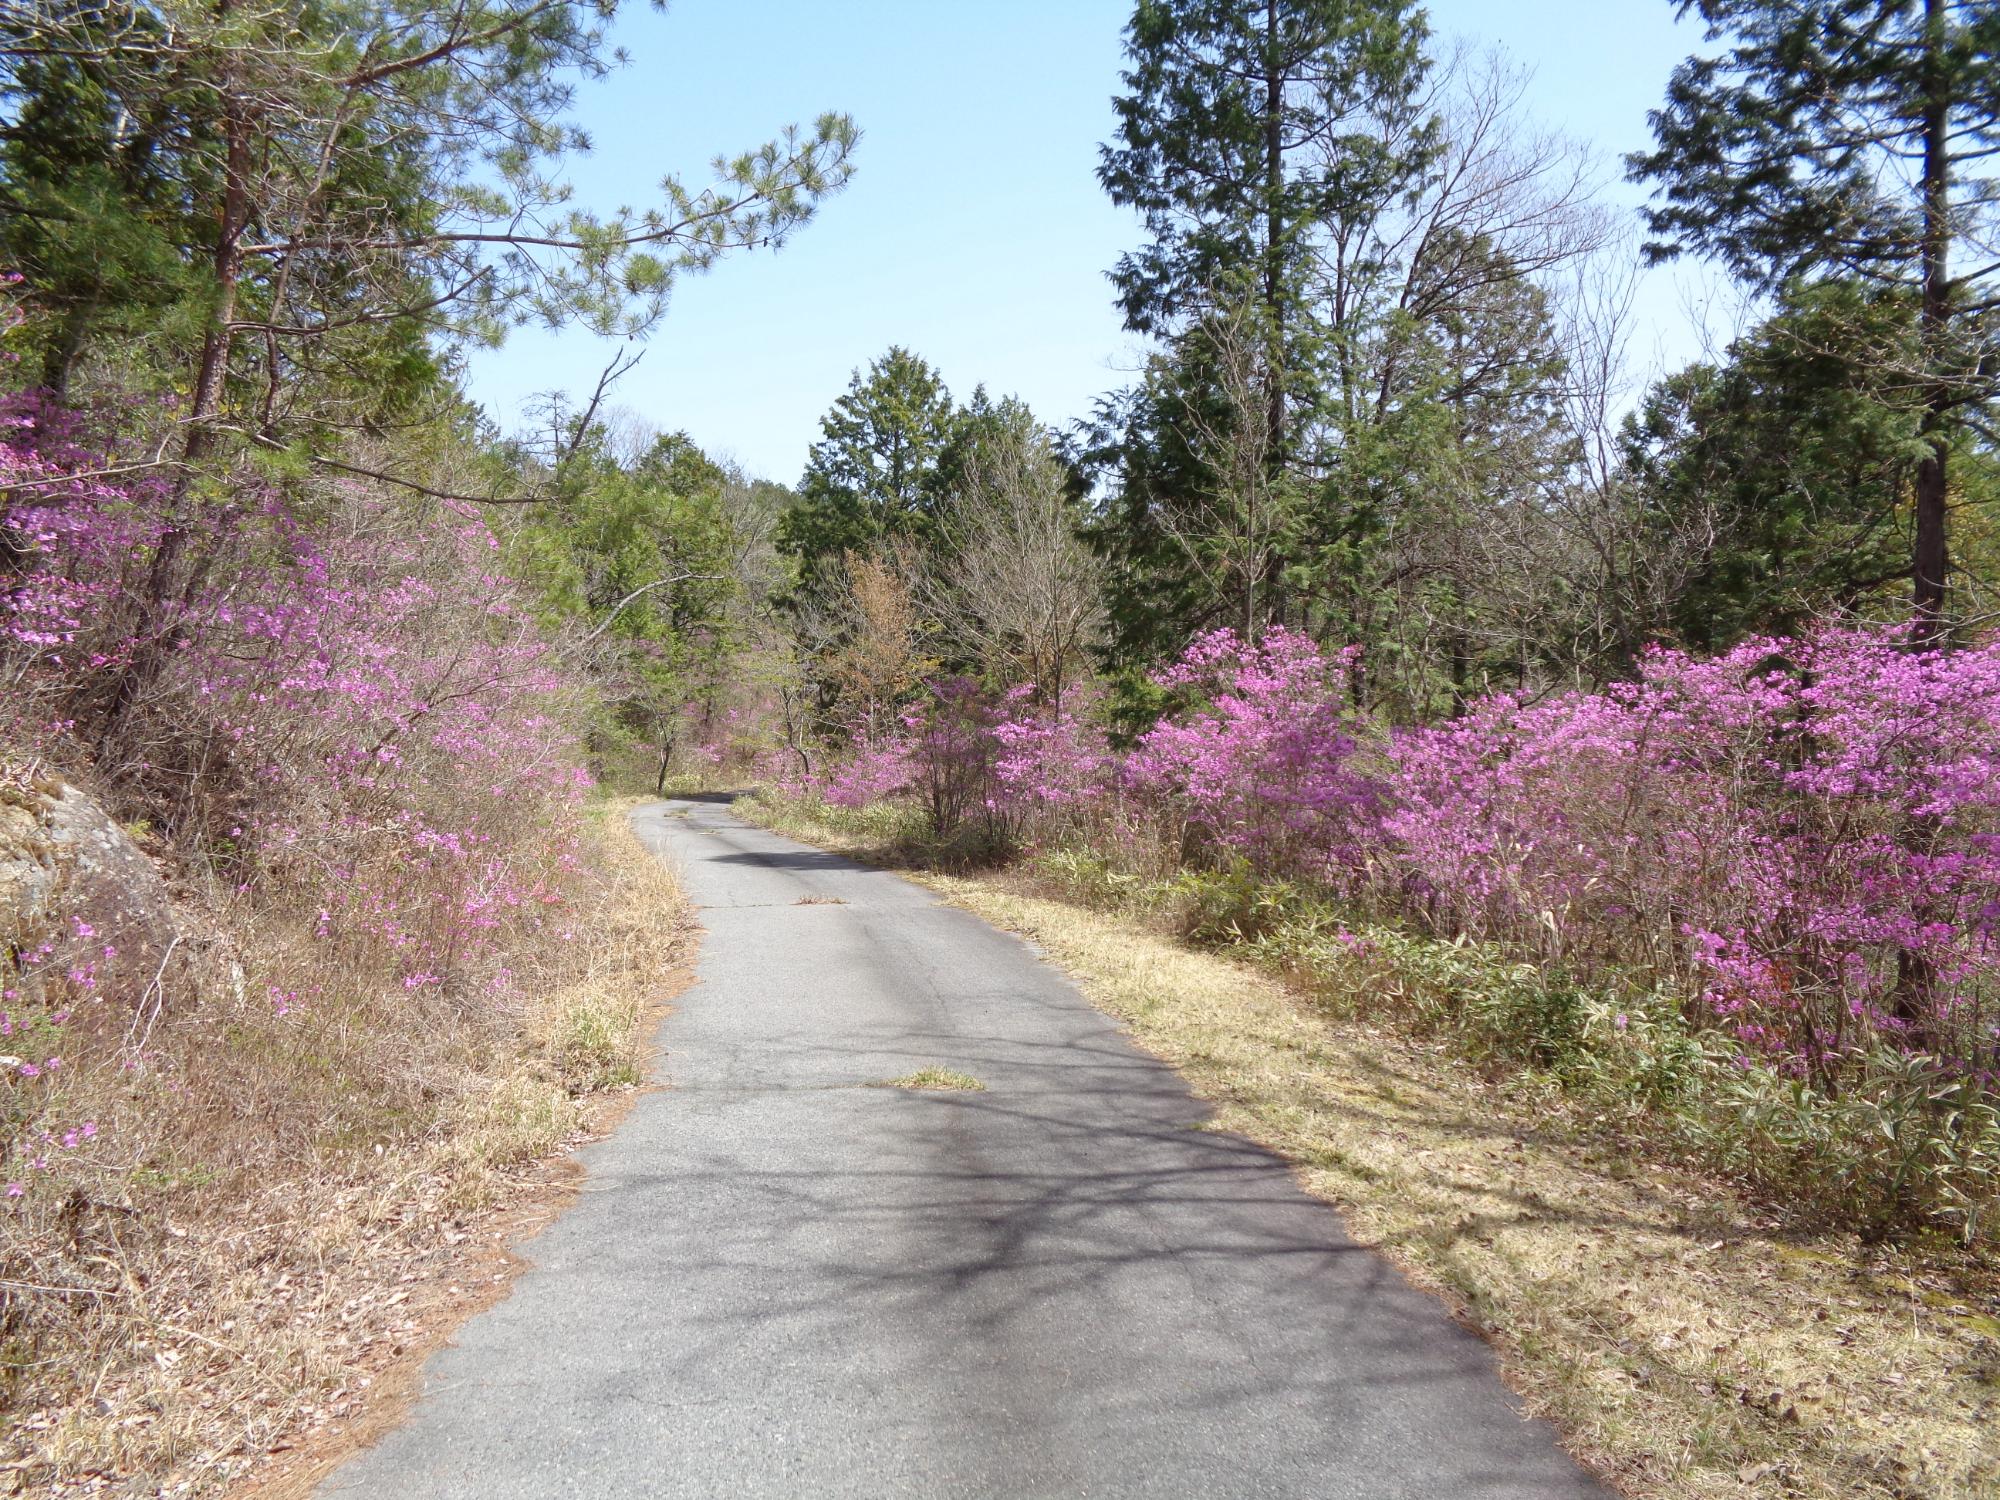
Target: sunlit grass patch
x: 934, y: 1080
x: 862, y: 832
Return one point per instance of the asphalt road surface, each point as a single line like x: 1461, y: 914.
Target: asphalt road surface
x: 780, y: 1282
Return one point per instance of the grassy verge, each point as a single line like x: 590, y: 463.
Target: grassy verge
x: 315, y: 1200
x: 1684, y: 1339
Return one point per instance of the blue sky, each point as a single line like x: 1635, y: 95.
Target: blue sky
x: 974, y: 231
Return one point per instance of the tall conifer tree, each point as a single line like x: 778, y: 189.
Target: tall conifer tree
x: 1244, y: 127
x: 874, y: 473
x: 1852, y: 139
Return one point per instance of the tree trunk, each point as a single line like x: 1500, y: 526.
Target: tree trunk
x: 1931, y: 561
x: 1915, y: 1002
x: 212, y: 374
x: 1274, y: 186
x: 60, y: 357
x: 151, y: 633
x: 666, y: 759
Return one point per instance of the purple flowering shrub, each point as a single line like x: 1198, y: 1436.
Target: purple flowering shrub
x: 1756, y: 893
x: 942, y: 758
x: 1052, y: 757
x: 1805, y: 835
x: 871, y: 772
x: 343, y: 703
x: 1264, y: 763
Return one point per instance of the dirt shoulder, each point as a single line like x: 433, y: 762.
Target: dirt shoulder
x: 1683, y: 1341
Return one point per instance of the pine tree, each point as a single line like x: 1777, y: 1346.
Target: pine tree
x: 341, y: 171
x: 1850, y: 139
x: 99, y: 172
x: 369, y: 184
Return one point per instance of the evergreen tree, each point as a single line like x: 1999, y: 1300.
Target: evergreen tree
x: 1357, y: 361
x: 99, y: 173
x: 1242, y: 130
x: 368, y: 184
x: 1458, y: 430
x: 985, y: 432
x: 1201, y: 523
x: 367, y: 175
x: 876, y: 473
x: 1851, y: 139
x: 1790, y: 461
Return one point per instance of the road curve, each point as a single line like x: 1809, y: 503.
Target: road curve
x: 780, y: 1283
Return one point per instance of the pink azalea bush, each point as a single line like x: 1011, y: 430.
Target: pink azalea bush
x: 1052, y: 757
x: 871, y: 772
x: 1760, y: 891
x: 353, y: 714
x: 1807, y: 832
x: 1263, y: 764
x: 953, y: 751
x: 942, y: 756
x: 1801, y: 836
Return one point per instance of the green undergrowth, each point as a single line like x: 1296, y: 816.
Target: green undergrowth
x: 885, y: 832
x: 1901, y: 1150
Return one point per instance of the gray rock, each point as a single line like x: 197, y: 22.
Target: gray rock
x: 64, y: 861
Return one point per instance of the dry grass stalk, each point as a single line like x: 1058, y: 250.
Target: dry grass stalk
x: 290, y: 1207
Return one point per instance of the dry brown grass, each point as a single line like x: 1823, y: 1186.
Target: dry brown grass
x: 1684, y: 1343
x: 298, y: 1204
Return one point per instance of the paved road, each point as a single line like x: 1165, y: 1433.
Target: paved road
x: 779, y: 1284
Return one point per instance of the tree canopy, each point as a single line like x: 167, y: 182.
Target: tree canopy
x: 874, y: 475
x: 1853, y: 141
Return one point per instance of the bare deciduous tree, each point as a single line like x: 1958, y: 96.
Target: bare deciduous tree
x: 1018, y: 590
